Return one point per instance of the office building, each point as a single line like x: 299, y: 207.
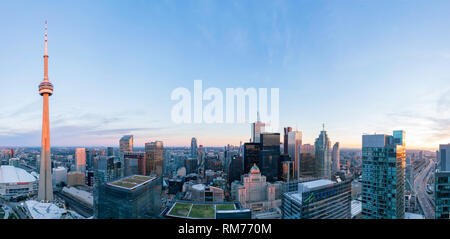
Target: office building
x: 442, y: 183
x: 322, y: 147
x: 383, y: 176
x: 251, y: 155
x: 80, y: 159
x: 133, y: 197
x: 294, y: 148
x: 194, y: 153
x: 335, y: 158
x: 257, y: 129
x: 286, y: 140
x: 126, y: 144
x: 236, y: 169
x: 154, y: 157
x: 134, y: 163
x: 59, y: 175
x: 269, y: 156
x: 318, y: 199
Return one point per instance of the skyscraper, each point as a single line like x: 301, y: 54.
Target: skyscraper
x: 126, y: 143
x: 269, y: 156
x: 45, y: 192
x: 251, y: 155
x: 294, y: 148
x: 80, y: 159
x: 336, y: 164
x: 322, y: 146
x: 194, y: 153
x: 257, y: 128
x: 154, y: 156
x: 383, y: 176
x: 286, y: 139
x: 442, y: 183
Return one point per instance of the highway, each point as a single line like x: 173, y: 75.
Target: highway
x: 420, y: 185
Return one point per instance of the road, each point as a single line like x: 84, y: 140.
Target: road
x: 420, y: 184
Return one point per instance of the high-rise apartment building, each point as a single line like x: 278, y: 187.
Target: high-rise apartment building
x: 442, y: 183
x: 154, y: 157
x: 383, y: 176
x: 126, y: 144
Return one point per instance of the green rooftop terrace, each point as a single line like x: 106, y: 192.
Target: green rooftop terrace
x: 132, y: 181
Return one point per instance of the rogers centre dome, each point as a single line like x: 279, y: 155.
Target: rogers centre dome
x: 16, y: 182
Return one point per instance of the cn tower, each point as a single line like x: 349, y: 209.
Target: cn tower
x: 45, y: 192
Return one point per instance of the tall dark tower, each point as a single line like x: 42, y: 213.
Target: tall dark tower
x: 45, y: 192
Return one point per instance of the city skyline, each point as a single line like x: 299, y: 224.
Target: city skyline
x: 354, y: 83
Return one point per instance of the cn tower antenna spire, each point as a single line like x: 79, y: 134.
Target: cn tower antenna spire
x: 45, y: 54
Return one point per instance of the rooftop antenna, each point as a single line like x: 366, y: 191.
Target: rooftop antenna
x: 323, y: 126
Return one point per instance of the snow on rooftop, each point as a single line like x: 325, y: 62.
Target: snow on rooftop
x: 81, y: 195
x: 199, y: 187
x: 356, y: 207
x: 11, y: 174
x: 307, y: 186
x: 409, y: 215
x: 40, y: 210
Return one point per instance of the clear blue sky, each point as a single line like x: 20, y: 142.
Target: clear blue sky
x: 357, y: 66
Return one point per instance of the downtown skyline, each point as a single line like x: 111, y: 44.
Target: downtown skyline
x: 392, y: 77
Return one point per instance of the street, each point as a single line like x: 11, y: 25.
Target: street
x: 420, y: 184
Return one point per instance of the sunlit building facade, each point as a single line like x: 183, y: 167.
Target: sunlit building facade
x: 383, y: 176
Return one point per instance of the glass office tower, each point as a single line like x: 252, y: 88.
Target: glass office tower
x: 442, y: 183
x: 383, y: 176
x: 269, y: 156
x: 134, y: 197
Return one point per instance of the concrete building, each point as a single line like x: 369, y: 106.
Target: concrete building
x: 76, y: 178
x: 318, y: 199
x: 335, y: 158
x: 383, y: 176
x: 45, y: 192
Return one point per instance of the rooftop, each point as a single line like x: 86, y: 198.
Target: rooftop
x: 11, y: 174
x: 40, y: 210
x: 131, y: 182
x: 307, y: 186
